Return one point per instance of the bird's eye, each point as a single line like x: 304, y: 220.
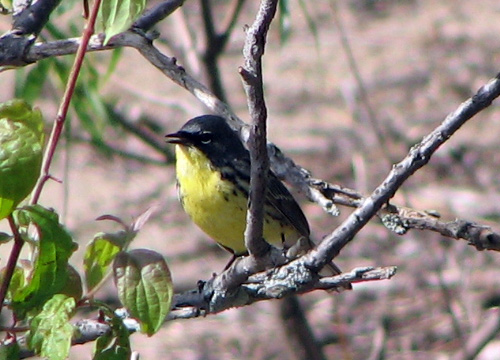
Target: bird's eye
x: 206, y: 137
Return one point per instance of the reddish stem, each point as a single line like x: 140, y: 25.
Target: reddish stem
x: 51, y: 147
x: 63, y: 109
x: 11, y: 264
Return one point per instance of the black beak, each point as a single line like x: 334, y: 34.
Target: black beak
x: 177, y: 138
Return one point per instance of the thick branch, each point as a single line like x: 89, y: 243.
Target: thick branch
x: 27, y: 24
x: 33, y: 18
x: 15, y: 45
x: 292, y: 278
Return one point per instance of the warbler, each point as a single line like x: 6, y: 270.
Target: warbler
x: 213, y: 179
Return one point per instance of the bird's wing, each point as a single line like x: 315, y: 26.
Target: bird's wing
x: 281, y: 200
x: 278, y: 198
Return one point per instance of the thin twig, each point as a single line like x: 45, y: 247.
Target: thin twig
x: 213, y: 49
x: 51, y: 146
x: 216, y: 43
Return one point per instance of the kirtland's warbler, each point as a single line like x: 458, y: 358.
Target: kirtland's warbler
x: 213, y: 179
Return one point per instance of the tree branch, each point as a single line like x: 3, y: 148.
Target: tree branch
x: 27, y: 24
x: 251, y: 74
x: 418, y: 156
x: 299, y: 333
x: 276, y: 283
x: 318, y: 191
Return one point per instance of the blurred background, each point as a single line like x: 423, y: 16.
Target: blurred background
x: 417, y: 61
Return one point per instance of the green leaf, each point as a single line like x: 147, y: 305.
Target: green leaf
x: 21, y: 150
x: 30, y: 86
x: 98, y: 257
x: 116, y: 55
x: 86, y: 115
x: 116, y: 16
x: 102, y: 249
x: 284, y: 20
x: 17, y: 282
x: 144, y: 287
x: 114, y: 345
x: 5, y: 6
x: 9, y: 349
x: 5, y: 238
x: 50, y: 269
x: 73, y: 286
x: 50, y: 331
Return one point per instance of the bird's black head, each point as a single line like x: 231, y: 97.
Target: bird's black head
x: 212, y: 135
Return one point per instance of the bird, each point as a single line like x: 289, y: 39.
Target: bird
x: 213, y: 183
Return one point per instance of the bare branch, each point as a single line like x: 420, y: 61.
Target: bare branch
x: 251, y: 74
x: 299, y: 331
x: 27, y: 23
x: 273, y: 284
x: 16, y: 44
x: 318, y: 191
x: 276, y: 283
x: 31, y: 19
x: 216, y: 42
x: 418, y: 156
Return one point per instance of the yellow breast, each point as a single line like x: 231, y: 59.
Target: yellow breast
x: 215, y: 205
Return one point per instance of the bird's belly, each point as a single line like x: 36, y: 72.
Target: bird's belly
x: 216, y: 206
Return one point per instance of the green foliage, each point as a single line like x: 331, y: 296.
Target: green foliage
x: 284, y: 20
x: 91, y: 108
x: 18, y: 280
x: 9, y: 349
x: 102, y: 249
x: 4, y: 237
x: 21, y: 151
x: 116, y: 16
x: 29, y: 87
x: 144, y: 287
x: 50, y: 267
x: 73, y: 286
x: 50, y: 331
x: 114, y: 345
x: 99, y: 255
